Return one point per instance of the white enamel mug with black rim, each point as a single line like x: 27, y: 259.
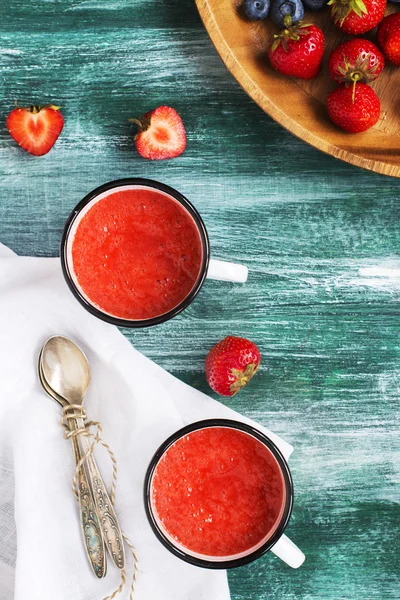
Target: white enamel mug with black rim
x: 210, y: 268
x: 276, y: 541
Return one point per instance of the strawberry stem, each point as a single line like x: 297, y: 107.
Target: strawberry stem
x: 143, y: 124
x: 138, y: 122
x: 35, y: 108
x: 291, y: 32
x: 243, y: 377
x: 287, y: 21
x: 342, y: 8
x: 355, y: 77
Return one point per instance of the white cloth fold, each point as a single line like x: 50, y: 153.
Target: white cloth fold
x: 139, y: 405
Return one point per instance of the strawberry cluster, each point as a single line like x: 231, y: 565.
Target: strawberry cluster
x: 353, y: 105
x: 297, y: 51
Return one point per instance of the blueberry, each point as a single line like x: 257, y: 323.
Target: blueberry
x: 395, y: 1
x: 319, y: 4
x: 281, y: 8
x: 255, y: 10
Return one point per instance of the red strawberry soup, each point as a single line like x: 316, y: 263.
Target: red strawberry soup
x: 136, y: 253
x: 218, y: 492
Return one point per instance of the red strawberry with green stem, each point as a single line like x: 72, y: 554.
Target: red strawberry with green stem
x: 231, y: 364
x: 357, y: 16
x: 161, y: 134
x: 355, y: 60
x: 35, y: 128
x: 297, y: 50
x: 354, y: 110
x: 388, y: 37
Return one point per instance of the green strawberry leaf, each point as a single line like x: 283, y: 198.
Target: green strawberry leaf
x: 276, y: 43
x: 358, y: 12
x: 361, y: 6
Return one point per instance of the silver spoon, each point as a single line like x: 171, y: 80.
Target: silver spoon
x: 92, y: 534
x: 66, y: 370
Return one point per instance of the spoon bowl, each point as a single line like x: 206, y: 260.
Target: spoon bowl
x: 49, y: 391
x: 65, y: 368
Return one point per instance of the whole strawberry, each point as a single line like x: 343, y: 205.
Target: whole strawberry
x: 231, y: 364
x: 161, y: 134
x: 388, y: 37
x: 354, y: 109
x: 35, y: 128
x: 357, y: 16
x: 297, y: 51
x: 355, y: 60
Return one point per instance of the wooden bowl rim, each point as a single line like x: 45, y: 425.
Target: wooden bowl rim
x: 253, y: 90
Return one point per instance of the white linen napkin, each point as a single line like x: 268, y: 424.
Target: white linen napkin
x: 139, y: 405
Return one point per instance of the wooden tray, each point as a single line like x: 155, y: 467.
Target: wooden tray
x: 299, y: 105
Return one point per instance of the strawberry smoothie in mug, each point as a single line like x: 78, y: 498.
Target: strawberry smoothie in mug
x: 219, y: 494
x: 135, y: 253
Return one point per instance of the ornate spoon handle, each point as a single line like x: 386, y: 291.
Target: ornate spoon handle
x: 105, y: 510
x: 92, y: 533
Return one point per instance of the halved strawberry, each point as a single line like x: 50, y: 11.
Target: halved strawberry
x: 35, y: 128
x: 161, y: 134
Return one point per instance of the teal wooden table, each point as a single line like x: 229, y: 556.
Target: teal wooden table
x: 321, y: 240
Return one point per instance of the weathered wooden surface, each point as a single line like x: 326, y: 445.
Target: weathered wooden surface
x: 321, y: 239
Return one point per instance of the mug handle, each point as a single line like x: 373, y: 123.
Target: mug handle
x: 288, y: 552
x: 227, y: 271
